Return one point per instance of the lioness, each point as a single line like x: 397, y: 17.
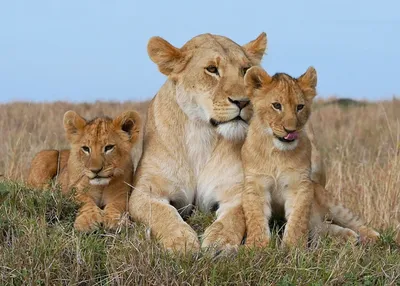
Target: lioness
x: 278, y: 165
x: 195, y: 129
x: 98, y: 166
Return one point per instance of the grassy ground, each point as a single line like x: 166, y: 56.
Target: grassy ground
x: 39, y: 246
x: 360, y: 144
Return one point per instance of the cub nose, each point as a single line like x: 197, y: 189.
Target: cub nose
x: 95, y: 170
x: 239, y: 103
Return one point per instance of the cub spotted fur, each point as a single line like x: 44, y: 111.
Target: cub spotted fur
x: 97, y: 166
x: 277, y: 165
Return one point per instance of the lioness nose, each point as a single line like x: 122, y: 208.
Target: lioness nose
x: 239, y: 103
x: 95, y: 170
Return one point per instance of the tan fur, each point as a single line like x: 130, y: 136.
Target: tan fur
x: 97, y: 167
x: 191, y: 152
x: 281, y: 176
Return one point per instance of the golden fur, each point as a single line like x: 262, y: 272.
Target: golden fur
x: 195, y: 128
x: 97, y: 166
x: 277, y: 159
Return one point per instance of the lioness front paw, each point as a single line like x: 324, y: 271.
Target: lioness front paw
x: 88, y: 220
x: 182, y: 240
x: 216, y: 238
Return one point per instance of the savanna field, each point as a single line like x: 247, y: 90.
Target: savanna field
x: 360, y: 143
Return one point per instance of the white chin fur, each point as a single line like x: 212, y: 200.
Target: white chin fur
x: 100, y: 181
x: 235, y: 130
x: 285, y: 146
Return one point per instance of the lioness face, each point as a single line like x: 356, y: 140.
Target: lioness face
x: 281, y: 103
x: 208, y: 74
x: 101, y: 147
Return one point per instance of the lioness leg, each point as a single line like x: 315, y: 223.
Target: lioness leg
x: 227, y: 231
x: 163, y: 219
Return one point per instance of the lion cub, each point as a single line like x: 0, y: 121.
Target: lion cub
x: 277, y: 165
x: 97, y: 166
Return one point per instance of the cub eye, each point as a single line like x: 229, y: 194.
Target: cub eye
x: 300, y: 107
x: 86, y: 149
x: 108, y: 148
x: 244, y: 70
x: 212, y: 69
x: 277, y: 105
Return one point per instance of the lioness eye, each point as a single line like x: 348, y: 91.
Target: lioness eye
x: 277, y: 105
x: 86, y: 149
x: 108, y: 148
x: 212, y: 69
x: 244, y: 70
x: 300, y: 107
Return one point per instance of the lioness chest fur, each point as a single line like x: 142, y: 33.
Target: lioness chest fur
x: 195, y: 127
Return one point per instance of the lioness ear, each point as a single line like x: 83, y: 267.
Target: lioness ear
x: 256, y: 78
x: 256, y: 48
x: 166, y: 56
x: 73, y: 124
x: 308, y: 82
x: 130, y: 123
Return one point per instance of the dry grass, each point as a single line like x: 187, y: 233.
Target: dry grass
x: 361, y: 148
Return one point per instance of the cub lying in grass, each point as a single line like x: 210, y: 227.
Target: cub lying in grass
x: 277, y: 165
x: 97, y: 166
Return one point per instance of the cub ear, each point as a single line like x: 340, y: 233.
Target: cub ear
x: 256, y: 48
x: 73, y: 124
x: 167, y: 57
x: 130, y: 123
x: 256, y: 78
x: 308, y: 82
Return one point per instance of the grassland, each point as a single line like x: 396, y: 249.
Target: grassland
x: 361, y: 148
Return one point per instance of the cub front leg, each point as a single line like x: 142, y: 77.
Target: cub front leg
x: 298, y: 212
x: 89, y: 215
x: 116, y: 204
x: 257, y: 210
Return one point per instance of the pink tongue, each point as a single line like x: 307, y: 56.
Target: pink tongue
x: 291, y: 136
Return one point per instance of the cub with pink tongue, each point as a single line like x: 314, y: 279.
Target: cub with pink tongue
x: 291, y: 136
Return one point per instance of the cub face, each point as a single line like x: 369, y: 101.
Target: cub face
x: 281, y: 103
x: 208, y: 75
x: 101, y: 147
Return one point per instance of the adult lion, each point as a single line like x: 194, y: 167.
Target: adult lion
x: 195, y: 129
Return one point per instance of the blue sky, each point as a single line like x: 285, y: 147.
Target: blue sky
x: 81, y: 50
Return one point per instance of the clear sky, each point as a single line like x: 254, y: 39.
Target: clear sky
x: 82, y: 50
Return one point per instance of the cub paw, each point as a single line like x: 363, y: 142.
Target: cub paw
x: 368, y: 235
x: 257, y: 240
x: 111, y: 219
x: 88, y: 221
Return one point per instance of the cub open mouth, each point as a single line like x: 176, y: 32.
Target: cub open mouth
x: 215, y: 123
x: 290, y: 137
